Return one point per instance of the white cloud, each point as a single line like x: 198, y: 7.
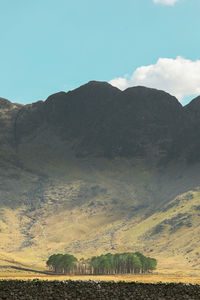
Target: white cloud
x: 179, y: 77
x: 166, y: 2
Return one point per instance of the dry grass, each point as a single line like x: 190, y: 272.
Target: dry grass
x: 155, y: 278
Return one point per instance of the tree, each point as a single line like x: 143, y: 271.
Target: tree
x: 60, y: 263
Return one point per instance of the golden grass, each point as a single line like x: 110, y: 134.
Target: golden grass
x: 155, y: 278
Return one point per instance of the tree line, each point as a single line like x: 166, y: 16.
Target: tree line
x: 119, y: 263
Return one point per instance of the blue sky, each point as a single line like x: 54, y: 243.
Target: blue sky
x: 52, y: 45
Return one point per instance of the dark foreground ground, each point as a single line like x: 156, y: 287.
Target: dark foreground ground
x: 36, y: 289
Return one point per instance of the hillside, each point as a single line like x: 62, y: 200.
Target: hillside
x: 98, y: 170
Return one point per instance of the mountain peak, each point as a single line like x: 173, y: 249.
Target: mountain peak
x: 146, y: 91
x: 97, y: 85
x: 56, y: 96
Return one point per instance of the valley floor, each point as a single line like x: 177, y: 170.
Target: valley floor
x: 165, y: 276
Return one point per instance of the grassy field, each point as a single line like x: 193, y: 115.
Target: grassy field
x: 127, y: 278
x: 189, y: 277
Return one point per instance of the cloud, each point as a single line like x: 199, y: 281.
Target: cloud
x: 165, y: 2
x: 179, y: 77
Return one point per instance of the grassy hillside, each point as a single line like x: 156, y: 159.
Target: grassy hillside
x: 88, y: 207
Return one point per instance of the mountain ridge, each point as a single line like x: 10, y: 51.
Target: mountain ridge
x: 87, y: 107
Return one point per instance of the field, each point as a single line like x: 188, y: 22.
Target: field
x: 192, y: 277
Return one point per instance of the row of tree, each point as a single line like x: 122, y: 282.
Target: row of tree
x: 119, y: 263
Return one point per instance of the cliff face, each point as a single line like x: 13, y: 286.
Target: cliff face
x: 118, y: 169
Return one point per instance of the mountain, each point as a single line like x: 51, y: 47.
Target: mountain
x: 100, y: 120
x: 100, y: 170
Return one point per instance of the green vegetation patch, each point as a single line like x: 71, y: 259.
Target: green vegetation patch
x: 119, y: 263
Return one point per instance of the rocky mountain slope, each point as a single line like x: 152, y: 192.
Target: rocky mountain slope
x: 99, y: 170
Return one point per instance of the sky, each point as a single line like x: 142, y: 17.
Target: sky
x: 48, y: 46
